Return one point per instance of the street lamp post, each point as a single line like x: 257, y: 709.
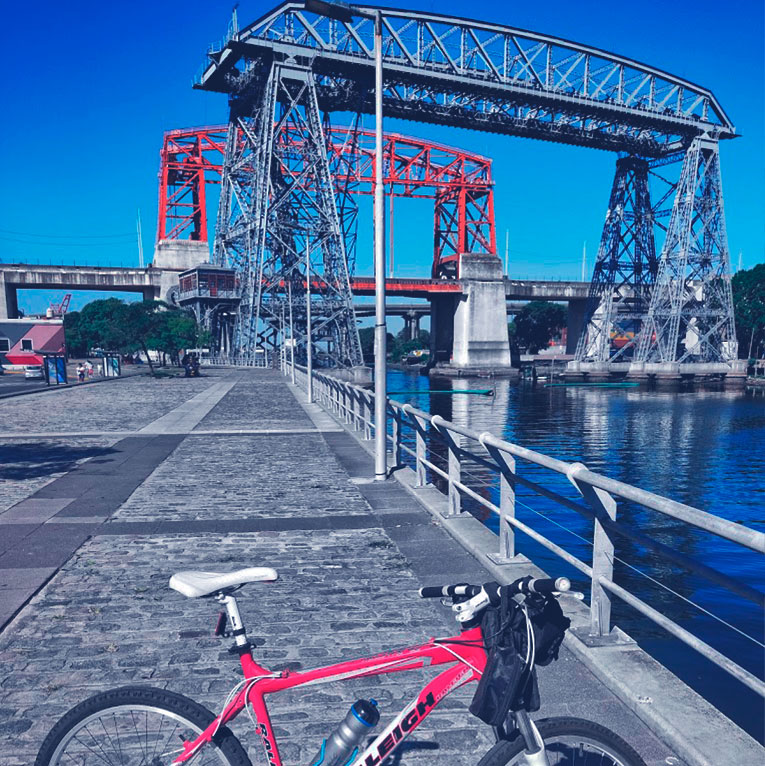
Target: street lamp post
x: 292, y: 337
x: 309, y: 339
x: 336, y: 9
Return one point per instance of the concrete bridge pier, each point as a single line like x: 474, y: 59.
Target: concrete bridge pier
x: 412, y: 325
x: 479, y: 322
x: 576, y: 311
x: 9, y: 304
x: 442, y: 307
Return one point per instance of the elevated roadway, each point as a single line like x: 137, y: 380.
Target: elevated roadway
x: 150, y: 282
x: 515, y: 289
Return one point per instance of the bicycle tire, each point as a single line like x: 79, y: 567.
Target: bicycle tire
x: 106, y: 728
x: 565, y: 740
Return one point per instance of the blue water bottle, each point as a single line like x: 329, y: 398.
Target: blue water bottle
x: 341, y: 746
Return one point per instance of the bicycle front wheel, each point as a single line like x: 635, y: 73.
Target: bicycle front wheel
x: 568, y: 742
x: 136, y: 725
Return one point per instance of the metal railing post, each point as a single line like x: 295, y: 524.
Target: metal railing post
x: 506, y: 465
x: 455, y: 470
x: 354, y: 409
x: 604, y: 507
x: 366, y: 409
x: 418, y: 423
x: 421, y: 450
x: 397, y: 434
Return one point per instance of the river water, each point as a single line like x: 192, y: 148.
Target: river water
x: 706, y: 449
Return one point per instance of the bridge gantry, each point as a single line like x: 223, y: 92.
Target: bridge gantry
x: 295, y: 66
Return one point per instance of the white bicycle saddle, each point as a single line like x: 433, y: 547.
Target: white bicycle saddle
x: 196, y: 584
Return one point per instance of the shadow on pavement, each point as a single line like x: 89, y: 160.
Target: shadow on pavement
x: 35, y: 459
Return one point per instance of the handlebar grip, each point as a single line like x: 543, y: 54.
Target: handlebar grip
x: 542, y: 585
x: 549, y: 585
x: 439, y: 591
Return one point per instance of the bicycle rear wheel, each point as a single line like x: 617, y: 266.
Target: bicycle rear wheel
x: 568, y: 742
x: 136, y: 725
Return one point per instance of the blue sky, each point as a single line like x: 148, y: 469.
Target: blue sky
x: 93, y: 86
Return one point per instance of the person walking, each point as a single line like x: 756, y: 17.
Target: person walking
x: 81, y: 372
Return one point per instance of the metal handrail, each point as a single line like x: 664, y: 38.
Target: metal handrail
x: 238, y: 360
x: 355, y: 407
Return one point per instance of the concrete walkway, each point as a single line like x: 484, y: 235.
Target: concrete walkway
x: 225, y: 471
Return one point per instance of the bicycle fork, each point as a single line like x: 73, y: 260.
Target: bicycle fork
x: 534, y: 754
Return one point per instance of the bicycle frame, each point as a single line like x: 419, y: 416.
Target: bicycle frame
x: 465, y: 655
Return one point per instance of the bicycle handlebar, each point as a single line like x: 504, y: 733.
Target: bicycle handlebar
x: 493, y: 590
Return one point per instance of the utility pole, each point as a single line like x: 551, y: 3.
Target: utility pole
x: 292, y: 336
x: 381, y: 387
x: 140, y: 240
x: 390, y: 227
x: 309, y: 340
x: 342, y: 11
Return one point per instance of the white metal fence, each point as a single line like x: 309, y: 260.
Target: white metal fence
x: 239, y: 360
x: 414, y: 432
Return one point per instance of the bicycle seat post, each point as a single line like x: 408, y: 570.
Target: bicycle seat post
x: 232, y: 610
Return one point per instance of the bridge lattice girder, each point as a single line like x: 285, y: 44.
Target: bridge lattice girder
x: 464, y: 73
x: 460, y: 182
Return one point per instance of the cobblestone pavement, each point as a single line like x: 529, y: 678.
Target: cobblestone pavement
x: 265, y: 403
x: 28, y: 465
x: 245, y: 476
x: 107, y: 617
x: 123, y: 405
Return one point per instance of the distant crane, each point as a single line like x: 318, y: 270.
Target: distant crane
x: 59, y: 309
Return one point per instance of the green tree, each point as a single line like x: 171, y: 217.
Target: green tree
x: 76, y: 344
x: 98, y: 325
x: 749, y: 309
x: 367, y: 338
x: 402, y: 346
x: 538, y: 323
x: 174, y: 330
x: 114, y: 325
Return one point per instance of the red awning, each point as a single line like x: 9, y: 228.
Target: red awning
x: 23, y: 357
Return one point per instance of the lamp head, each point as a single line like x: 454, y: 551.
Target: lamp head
x: 332, y: 9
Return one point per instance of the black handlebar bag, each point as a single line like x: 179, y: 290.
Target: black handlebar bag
x: 509, y: 681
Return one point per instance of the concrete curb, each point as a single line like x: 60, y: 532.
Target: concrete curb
x: 699, y: 733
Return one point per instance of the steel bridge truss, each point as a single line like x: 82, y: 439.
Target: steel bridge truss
x: 625, y: 269
x: 459, y: 182
x: 462, y: 73
x: 188, y: 160
x: 470, y: 74
x: 690, y: 317
x: 279, y: 222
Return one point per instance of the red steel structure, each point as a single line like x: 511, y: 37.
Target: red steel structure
x: 459, y: 182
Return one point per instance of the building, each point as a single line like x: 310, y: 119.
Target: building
x: 26, y: 341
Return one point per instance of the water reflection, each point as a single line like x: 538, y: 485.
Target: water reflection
x: 700, y: 448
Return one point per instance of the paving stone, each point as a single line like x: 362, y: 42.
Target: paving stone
x: 108, y: 618
x: 28, y: 465
x: 239, y: 477
x: 260, y: 400
x: 126, y: 405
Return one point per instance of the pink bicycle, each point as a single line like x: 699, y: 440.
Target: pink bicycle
x: 154, y: 727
